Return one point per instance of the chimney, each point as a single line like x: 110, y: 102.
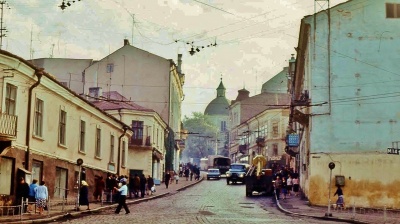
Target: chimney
x: 179, y: 63
x: 95, y: 93
x: 126, y: 42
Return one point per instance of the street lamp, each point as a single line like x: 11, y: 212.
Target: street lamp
x: 79, y: 162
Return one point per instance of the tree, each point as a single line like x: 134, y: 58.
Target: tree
x: 201, y: 132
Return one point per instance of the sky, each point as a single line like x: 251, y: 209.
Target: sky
x: 244, y: 42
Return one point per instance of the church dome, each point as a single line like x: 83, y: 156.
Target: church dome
x: 219, y: 105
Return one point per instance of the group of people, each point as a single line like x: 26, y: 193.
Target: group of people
x: 286, y: 186
x: 35, y: 193
x: 139, y: 186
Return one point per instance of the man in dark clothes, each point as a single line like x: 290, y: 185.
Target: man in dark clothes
x: 143, y: 182
x: 22, y: 192
x: 167, y: 178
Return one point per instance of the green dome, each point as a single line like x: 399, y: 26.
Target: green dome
x: 219, y: 105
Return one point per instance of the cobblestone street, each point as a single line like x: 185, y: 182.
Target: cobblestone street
x: 206, y: 202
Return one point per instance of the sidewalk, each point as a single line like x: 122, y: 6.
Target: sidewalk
x: 69, y: 211
x: 300, y: 207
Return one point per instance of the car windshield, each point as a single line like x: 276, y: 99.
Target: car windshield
x: 237, y: 167
x: 213, y: 171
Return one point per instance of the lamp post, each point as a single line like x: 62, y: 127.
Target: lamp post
x: 331, y: 166
x: 79, y: 162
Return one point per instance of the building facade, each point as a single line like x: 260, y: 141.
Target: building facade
x: 344, y: 103
x: 46, y: 128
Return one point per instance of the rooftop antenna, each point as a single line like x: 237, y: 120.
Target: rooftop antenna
x: 30, y: 47
x: 52, y: 50
x: 3, y: 30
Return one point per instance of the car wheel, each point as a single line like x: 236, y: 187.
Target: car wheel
x: 208, y: 178
x: 227, y: 182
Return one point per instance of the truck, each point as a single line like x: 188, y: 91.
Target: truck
x: 259, y: 181
x: 219, y: 162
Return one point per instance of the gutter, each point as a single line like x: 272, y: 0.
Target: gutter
x: 119, y: 150
x: 38, y: 73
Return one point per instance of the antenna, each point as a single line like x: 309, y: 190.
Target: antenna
x: 3, y: 30
x: 52, y: 50
x: 133, y: 24
x: 30, y: 47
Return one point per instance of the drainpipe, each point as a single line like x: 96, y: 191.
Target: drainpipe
x: 38, y: 73
x: 119, y: 150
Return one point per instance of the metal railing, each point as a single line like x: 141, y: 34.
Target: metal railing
x: 8, y: 124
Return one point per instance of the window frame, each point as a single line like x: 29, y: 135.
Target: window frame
x: 123, y: 156
x: 394, y: 9
x: 112, y: 148
x: 97, y: 152
x: 11, y: 99
x: 62, y: 128
x: 82, y: 136
x: 275, y: 149
x: 38, y: 122
x: 110, y: 68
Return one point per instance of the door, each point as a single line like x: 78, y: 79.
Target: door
x: 6, y: 171
x: 37, y: 170
x: 61, y: 183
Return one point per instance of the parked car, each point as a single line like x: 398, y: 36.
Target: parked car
x: 213, y: 173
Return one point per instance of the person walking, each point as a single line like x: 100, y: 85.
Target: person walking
x: 284, y: 188
x: 41, y: 195
x: 136, y: 185
x: 191, y: 175
x: 340, y: 200
x: 187, y: 174
x: 289, y: 184
x: 176, y: 179
x: 150, y: 184
x: 32, y: 198
x: 296, y: 186
x: 123, y: 191
x: 167, y: 178
x: 99, y: 188
x: 278, y: 186
x: 22, y: 192
x: 84, y: 194
x: 143, y: 182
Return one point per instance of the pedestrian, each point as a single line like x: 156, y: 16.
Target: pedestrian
x: 167, y: 178
x: 32, y: 198
x: 136, y: 185
x: 187, y: 174
x: 109, y: 187
x: 99, y: 188
x: 284, y: 188
x: 340, y: 200
x: 143, y: 182
x: 123, y: 191
x: 150, y: 185
x: 22, y: 192
x: 84, y: 195
x: 296, y: 186
x: 131, y: 187
x: 191, y: 175
x: 289, y: 184
x: 41, y: 195
x: 278, y: 186
x: 176, y: 179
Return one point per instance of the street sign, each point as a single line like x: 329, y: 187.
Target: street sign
x: 393, y: 151
x: 293, y: 140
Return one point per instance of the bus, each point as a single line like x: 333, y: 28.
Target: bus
x: 219, y: 162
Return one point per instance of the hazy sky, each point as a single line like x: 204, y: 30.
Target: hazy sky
x: 254, y: 38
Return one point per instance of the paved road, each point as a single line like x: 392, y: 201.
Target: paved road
x: 207, y: 202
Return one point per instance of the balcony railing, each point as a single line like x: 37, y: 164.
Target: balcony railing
x: 8, y: 125
x: 144, y: 141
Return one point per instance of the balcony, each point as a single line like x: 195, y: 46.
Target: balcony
x: 8, y: 125
x: 144, y: 141
x: 243, y: 149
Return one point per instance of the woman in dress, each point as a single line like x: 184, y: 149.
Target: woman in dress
x: 289, y: 184
x: 41, y: 195
x: 296, y: 186
x: 84, y: 194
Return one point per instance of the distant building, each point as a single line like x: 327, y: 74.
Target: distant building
x: 218, y: 111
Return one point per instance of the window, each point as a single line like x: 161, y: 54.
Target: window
x: 275, y: 130
x: 392, y: 10
x: 82, y: 136
x: 37, y: 170
x: 98, y: 142
x: 38, y: 128
x: 223, y: 126
x: 112, y: 149
x: 137, y: 137
x: 11, y: 97
x: 110, y: 68
x: 61, y: 183
x: 123, y: 154
x: 274, y: 149
x: 6, y: 171
x: 62, y: 129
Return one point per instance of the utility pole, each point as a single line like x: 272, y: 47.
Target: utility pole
x: 133, y: 24
x: 30, y: 47
x: 3, y: 30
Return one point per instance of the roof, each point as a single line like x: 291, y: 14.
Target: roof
x: 115, y: 101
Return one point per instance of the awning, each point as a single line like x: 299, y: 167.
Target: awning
x: 25, y: 171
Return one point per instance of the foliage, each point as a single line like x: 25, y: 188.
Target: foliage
x: 202, y: 134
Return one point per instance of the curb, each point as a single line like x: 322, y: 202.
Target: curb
x: 78, y: 213
x: 317, y: 217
